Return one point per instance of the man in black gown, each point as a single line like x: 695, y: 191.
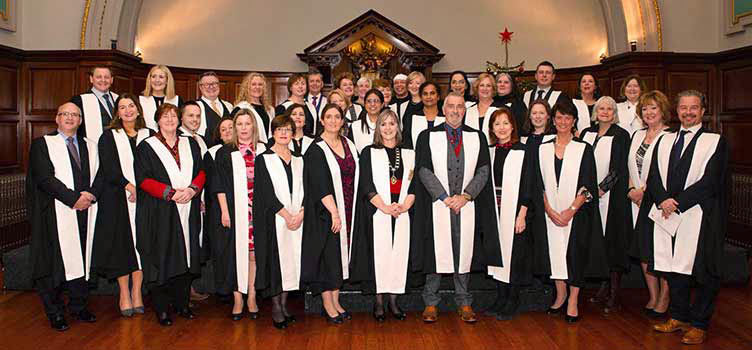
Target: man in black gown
x: 60, y: 195
x: 692, y: 162
x: 458, y: 235
x: 544, y: 78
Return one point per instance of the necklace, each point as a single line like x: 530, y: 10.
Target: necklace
x: 397, y: 163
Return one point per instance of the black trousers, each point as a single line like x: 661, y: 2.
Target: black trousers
x: 682, y: 309
x: 78, y: 295
x: 175, y: 292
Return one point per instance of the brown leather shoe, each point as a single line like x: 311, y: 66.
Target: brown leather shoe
x: 694, y: 336
x: 430, y: 314
x: 671, y: 326
x: 467, y: 314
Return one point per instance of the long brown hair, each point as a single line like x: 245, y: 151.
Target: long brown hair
x: 117, y: 123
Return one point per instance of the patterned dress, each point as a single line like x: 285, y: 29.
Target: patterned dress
x: 249, y: 154
x: 347, y: 171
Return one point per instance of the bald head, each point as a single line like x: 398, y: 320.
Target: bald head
x: 68, y: 118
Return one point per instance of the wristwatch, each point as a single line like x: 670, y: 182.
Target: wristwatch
x: 467, y: 197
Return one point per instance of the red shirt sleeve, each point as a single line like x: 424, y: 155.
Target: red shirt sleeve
x: 199, y: 180
x: 154, y: 188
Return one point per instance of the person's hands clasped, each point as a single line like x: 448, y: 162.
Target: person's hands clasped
x: 669, y: 206
x: 635, y: 195
x: 83, y: 202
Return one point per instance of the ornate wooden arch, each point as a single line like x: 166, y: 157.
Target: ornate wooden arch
x: 409, y: 52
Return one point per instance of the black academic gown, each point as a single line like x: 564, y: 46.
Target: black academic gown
x: 159, y: 234
x: 521, y: 269
x: 709, y: 192
x: 618, y: 232
x: 486, y: 246
x: 309, y: 119
x: 113, y: 253
x: 214, y: 235
x: 321, y: 267
x: 585, y: 256
x: 362, y: 263
x: 105, y: 114
x: 42, y: 189
x: 266, y: 204
x: 519, y: 110
x: 212, y: 120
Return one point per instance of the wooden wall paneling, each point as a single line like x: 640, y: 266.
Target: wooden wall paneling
x: 9, y: 83
x: 680, y: 80
x: 736, y: 84
x: 50, y: 85
x: 9, y: 145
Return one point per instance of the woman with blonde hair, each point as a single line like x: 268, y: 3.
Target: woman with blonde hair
x: 339, y: 98
x: 345, y: 83
x: 478, y: 114
x: 160, y: 88
x: 252, y: 96
x: 235, y: 163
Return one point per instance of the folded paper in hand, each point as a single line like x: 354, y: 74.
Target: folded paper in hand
x: 670, y: 225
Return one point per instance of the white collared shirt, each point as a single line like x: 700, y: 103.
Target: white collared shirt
x: 100, y: 96
x: 689, y: 136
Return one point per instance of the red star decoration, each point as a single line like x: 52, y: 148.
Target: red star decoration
x: 506, y: 36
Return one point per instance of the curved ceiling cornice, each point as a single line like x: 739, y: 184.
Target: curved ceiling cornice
x: 625, y: 20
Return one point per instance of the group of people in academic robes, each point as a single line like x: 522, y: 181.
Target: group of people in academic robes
x: 146, y: 189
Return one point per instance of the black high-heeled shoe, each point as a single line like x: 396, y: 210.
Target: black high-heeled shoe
x: 253, y: 315
x: 346, y: 315
x: 559, y: 310
x: 378, y: 317
x: 571, y: 319
x: 280, y: 325
x: 399, y: 315
x: 290, y: 318
x: 334, y: 320
x: 164, y: 319
x: 236, y: 317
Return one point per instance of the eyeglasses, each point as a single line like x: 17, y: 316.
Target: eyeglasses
x: 284, y: 130
x: 69, y: 114
x: 214, y: 84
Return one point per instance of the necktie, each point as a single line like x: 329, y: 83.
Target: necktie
x: 315, y: 104
x: 73, y: 151
x: 540, y: 94
x: 108, y: 102
x: 215, y: 107
x: 676, y: 151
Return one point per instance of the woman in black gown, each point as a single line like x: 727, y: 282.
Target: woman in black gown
x: 330, y: 180
x: 427, y: 116
x: 507, y: 95
x: 169, y: 176
x: 278, y: 219
x: 610, y: 147
x: 511, y: 181
x: 300, y: 141
x: 114, y: 254
x: 381, y: 240
x: 568, y: 240
x: 538, y: 127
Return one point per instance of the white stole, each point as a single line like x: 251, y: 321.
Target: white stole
x: 639, y: 181
x: 681, y: 258
x: 420, y: 123
x: 289, y: 242
x: 362, y: 139
x: 149, y: 106
x: 180, y: 177
x: 583, y: 114
x: 331, y: 162
x: 93, y: 115
x: 472, y: 119
x: 305, y: 142
x: 560, y: 196
x: 125, y: 157
x: 442, y: 234
x: 506, y: 216
x: 551, y: 99
x: 391, y: 257
x: 628, y: 118
x: 202, y: 128
x: 602, y: 153
x: 74, y: 264
x: 240, y: 221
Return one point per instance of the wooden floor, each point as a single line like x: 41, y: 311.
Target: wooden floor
x: 24, y: 326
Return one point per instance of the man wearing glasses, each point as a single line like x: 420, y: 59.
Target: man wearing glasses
x: 62, y: 189
x: 213, y: 108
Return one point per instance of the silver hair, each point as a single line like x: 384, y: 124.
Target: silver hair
x: 692, y: 93
x: 607, y: 100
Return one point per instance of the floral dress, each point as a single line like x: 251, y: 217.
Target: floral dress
x: 249, y: 154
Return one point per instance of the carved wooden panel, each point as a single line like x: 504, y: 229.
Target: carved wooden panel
x: 9, y: 89
x: 121, y: 84
x: 9, y: 144
x: 182, y: 89
x: 736, y: 89
x: 677, y: 82
x: 737, y: 135
x: 48, y: 88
